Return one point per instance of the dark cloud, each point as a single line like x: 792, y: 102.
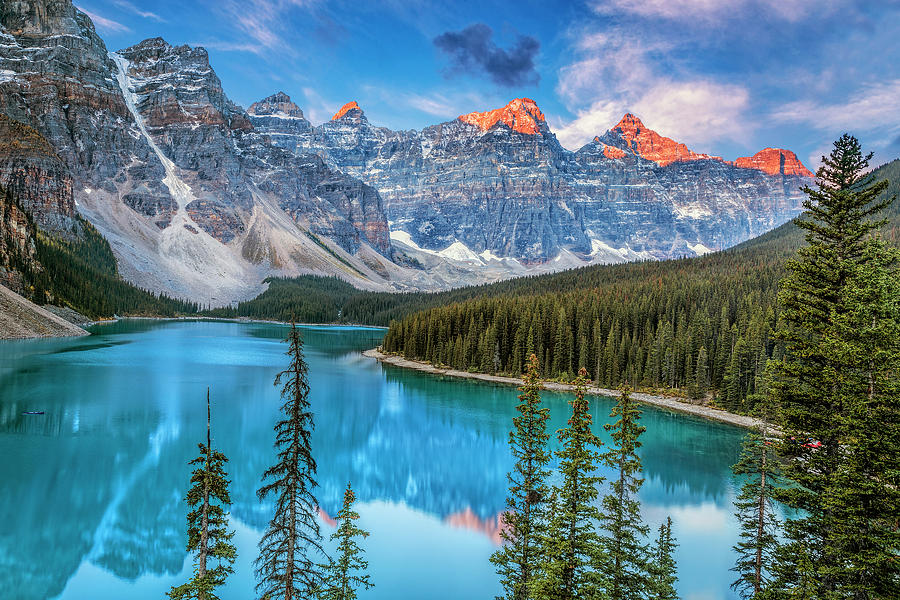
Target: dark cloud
x: 472, y: 49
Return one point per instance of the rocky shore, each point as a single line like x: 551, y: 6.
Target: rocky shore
x: 666, y: 402
x: 20, y: 318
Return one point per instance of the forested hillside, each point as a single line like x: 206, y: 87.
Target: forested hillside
x: 694, y: 326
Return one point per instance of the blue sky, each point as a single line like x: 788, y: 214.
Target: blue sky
x: 727, y: 77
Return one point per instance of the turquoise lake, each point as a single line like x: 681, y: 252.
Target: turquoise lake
x: 91, y: 492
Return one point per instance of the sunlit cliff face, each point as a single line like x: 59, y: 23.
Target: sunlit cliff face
x: 522, y: 115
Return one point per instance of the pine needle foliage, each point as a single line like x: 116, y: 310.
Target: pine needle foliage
x: 622, y: 561
x: 663, y: 574
x: 756, y: 513
x: 287, y: 567
x: 348, y: 572
x: 838, y: 314
x: 571, y: 542
x: 865, y: 495
x: 519, y: 560
x: 208, y: 535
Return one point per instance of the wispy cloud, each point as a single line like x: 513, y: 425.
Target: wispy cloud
x: 104, y: 24
x: 709, y: 11
x: 318, y: 109
x: 265, y: 22
x: 618, y: 73
x: 874, y: 107
x: 873, y: 112
x: 229, y: 46
x: 132, y: 8
x: 445, y: 106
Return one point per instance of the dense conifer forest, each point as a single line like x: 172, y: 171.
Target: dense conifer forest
x: 701, y: 327
x: 83, y: 274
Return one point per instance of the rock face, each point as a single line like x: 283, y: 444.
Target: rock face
x: 202, y: 199
x: 774, y: 161
x: 17, y: 246
x: 55, y: 76
x: 497, y: 184
x: 31, y: 171
x: 194, y: 202
x: 630, y: 134
x: 521, y: 115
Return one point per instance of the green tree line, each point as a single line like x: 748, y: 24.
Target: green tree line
x: 695, y: 327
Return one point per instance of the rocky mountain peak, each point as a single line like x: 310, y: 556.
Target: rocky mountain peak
x: 42, y: 18
x: 648, y: 144
x: 174, y: 58
x: 277, y: 104
x: 177, y: 85
x: 522, y: 115
x: 774, y: 161
x: 351, y: 109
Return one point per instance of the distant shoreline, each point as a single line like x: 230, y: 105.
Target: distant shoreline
x: 665, y: 402
x: 237, y: 320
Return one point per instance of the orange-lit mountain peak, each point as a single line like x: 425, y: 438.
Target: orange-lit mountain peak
x: 345, y: 109
x: 774, y: 161
x: 653, y: 146
x: 522, y: 115
x: 629, y: 122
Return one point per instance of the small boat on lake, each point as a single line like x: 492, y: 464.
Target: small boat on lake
x: 33, y: 412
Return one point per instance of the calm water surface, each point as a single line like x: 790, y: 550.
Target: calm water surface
x: 91, y: 492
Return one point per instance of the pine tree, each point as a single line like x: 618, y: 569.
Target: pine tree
x: 663, y: 569
x: 571, y: 540
x: 814, y: 390
x: 866, y: 493
x: 286, y: 568
x: 622, y: 560
x: 208, y: 535
x: 756, y: 513
x: 348, y: 573
x: 518, y: 561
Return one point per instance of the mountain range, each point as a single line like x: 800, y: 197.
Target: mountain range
x: 202, y: 199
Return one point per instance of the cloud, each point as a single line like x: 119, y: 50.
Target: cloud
x: 229, y: 46
x: 619, y: 73
x: 443, y: 105
x: 130, y: 7
x: 472, y: 49
x: 874, y: 107
x: 696, y: 112
x: 103, y: 23
x: 318, y: 109
x: 264, y: 22
x: 709, y: 11
x: 872, y: 112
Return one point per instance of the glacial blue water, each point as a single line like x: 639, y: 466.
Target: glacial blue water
x: 91, y: 492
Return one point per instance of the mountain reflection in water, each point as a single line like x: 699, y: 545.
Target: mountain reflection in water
x: 92, y: 492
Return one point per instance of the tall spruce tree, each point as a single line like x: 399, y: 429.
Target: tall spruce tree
x: 347, y: 573
x: 208, y: 535
x: 571, y: 542
x: 756, y: 513
x: 663, y: 571
x: 821, y: 404
x: 623, y: 557
x: 519, y: 560
x: 287, y: 567
x: 866, y: 493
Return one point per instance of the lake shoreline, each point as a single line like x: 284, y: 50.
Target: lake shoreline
x: 666, y: 402
x: 235, y: 320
